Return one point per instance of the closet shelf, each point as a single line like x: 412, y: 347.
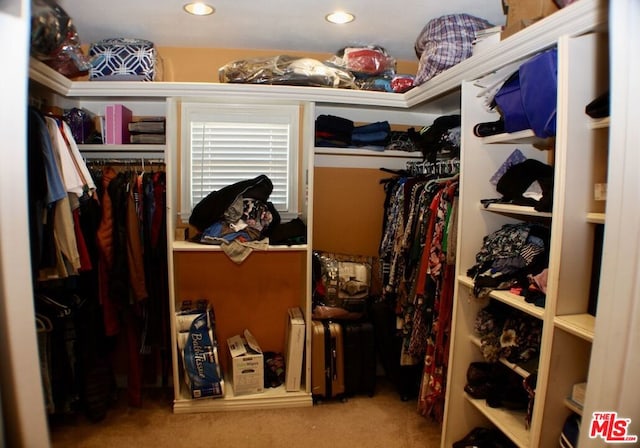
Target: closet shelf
x: 517, y: 210
x: 526, y: 136
x: 366, y: 152
x: 601, y: 123
x: 575, y: 407
x: 271, y: 398
x: 515, y: 367
x: 513, y: 300
x: 596, y: 218
x: 362, y: 158
x: 581, y: 325
x: 511, y: 423
x: 139, y: 147
x: 188, y: 246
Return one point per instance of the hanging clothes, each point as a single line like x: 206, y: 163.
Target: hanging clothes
x: 92, y: 251
x: 133, y: 281
x: 417, y: 268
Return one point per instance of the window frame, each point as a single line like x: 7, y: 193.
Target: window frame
x: 219, y: 112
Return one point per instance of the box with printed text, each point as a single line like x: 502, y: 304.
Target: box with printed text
x: 247, y: 364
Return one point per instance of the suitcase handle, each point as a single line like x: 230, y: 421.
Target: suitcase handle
x: 334, y: 361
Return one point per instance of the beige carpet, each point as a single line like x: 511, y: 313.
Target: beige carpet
x: 381, y: 421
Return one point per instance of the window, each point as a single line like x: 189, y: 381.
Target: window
x: 226, y: 143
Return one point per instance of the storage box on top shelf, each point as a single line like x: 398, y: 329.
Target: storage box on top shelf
x: 247, y: 364
x: 522, y: 13
x: 123, y: 59
x: 116, y: 122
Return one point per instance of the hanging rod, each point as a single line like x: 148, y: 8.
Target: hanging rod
x: 439, y: 167
x: 131, y: 161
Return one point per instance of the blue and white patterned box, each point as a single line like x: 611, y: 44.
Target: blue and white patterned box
x: 123, y: 59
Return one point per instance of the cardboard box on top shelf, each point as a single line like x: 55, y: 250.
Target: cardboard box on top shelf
x: 522, y: 13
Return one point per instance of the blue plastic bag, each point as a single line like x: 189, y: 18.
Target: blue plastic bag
x: 528, y: 98
x: 509, y: 102
x: 539, y: 91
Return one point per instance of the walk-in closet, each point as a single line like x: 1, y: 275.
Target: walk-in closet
x: 104, y: 265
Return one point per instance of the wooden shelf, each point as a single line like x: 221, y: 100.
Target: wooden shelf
x: 515, y: 367
x: 511, y: 423
x: 516, y: 210
x: 518, y: 302
x: 271, y: 398
x: 581, y: 325
x: 138, y: 147
x: 526, y: 136
x: 596, y: 218
x: 575, y: 407
x: 513, y: 300
x: 363, y: 158
x: 188, y: 246
x: 600, y: 123
x: 366, y: 152
x: 466, y: 281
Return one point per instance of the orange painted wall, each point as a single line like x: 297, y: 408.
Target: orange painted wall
x: 348, y: 210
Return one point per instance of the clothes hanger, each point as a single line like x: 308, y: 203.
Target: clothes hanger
x: 63, y: 310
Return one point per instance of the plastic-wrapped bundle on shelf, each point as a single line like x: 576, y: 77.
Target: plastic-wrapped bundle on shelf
x: 54, y: 39
x: 285, y: 70
x: 365, y: 61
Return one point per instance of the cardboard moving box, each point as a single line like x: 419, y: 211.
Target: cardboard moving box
x: 247, y: 364
x: 522, y: 13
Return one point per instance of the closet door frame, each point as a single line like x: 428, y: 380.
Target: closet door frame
x: 616, y: 348
x: 22, y: 411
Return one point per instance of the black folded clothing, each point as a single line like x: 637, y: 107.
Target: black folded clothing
x: 340, y: 128
x: 599, y: 107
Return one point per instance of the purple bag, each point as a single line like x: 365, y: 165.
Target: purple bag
x: 81, y: 124
x: 539, y: 90
x: 528, y: 98
x: 509, y: 102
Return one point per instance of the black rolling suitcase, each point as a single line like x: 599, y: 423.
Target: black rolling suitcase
x: 359, y: 358
x: 327, y: 360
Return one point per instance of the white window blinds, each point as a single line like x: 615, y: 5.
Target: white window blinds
x: 231, y: 144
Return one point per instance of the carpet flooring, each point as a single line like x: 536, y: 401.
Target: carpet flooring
x: 381, y: 421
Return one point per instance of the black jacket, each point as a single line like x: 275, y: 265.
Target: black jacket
x: 211, y: 208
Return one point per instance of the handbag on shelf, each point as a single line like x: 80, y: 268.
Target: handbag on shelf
x: 528, y: 98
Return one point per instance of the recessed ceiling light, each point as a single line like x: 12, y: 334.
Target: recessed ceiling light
x: 340, y: 17
x: 198, y: 9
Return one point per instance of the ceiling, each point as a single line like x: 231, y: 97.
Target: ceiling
x: 282, y: 25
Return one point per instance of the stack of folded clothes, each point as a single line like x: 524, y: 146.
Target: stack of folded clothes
x: 341, y: 132
x: 333, y: 131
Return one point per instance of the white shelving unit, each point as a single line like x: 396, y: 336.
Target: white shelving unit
x: 580, y: 161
